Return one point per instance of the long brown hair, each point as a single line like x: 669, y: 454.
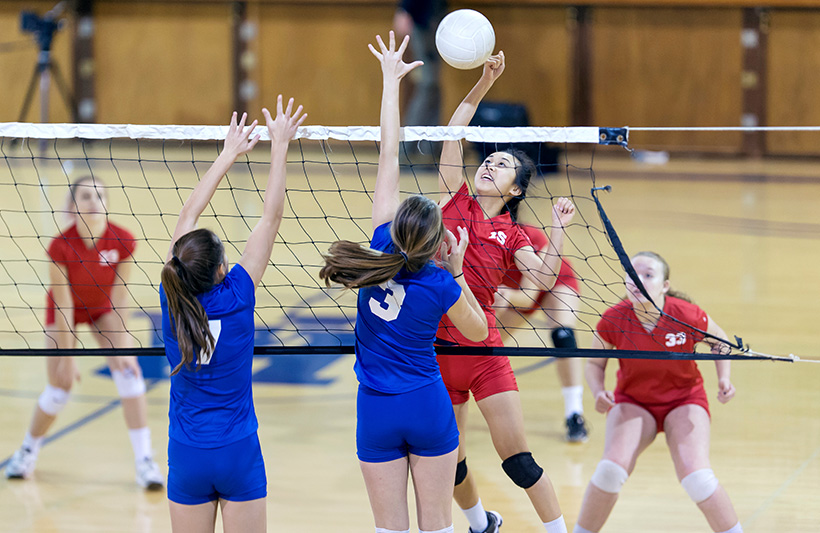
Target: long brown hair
x: 671, y: 292
x: 417, y: 232
x: 191, y: 271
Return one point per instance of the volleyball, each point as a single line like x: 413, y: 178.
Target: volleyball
x: 465, y: 39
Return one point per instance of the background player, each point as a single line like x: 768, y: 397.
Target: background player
x: 518, y: 300
x: 90, y: 266
x: 214, y: 455
x: 404, y: 419
x: 497, y: 244
x: 652, y: 396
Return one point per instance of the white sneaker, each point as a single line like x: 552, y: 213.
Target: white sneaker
x: 148, y: 475
x: 21, y: 464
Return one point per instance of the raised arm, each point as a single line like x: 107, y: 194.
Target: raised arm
x: 386, y: 196
x: 726, y: 391
x: 236, y: 144
x: 542, y: 268
x: 451, y: 164
x: 257, y: 252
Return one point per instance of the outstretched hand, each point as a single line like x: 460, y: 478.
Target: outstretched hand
x: 494, y: 67
x: 393, y: 66
x: 238, y: 140
x: 284, y: 126
x: 452, y: 252
x: 562, y: 212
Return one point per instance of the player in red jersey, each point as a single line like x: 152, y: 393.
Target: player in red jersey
x: 497, y: 243
x: 518, y: 299
x: 656, y: 395
x: 89, y: 270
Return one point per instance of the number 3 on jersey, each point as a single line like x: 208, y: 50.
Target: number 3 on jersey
x: 388, y: 309
x: 216, y: 328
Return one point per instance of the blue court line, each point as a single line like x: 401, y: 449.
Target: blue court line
x: 535, y: 366
x: 149, y: 384
x: 776, y: 494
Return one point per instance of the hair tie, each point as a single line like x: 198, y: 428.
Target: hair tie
x: 404, y: 256
x: 175, y: 260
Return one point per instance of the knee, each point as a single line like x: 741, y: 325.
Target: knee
x: 609, y: 476
x: 461, y: 472
x: 129, y: 384
x: 52, y: 400
x: 522, y: 469
x: 700, y: 484
x: 564, y: 338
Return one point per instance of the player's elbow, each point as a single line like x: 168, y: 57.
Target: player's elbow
x: 477, y: 330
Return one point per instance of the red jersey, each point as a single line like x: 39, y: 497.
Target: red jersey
x: 91, y: 271
x: 493, y: 243
x: 655, y: 381
x: 539, y: 240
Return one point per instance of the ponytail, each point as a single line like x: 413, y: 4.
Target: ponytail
x: 417, y: 231
x: 356, y: 266
x: 182, y: 280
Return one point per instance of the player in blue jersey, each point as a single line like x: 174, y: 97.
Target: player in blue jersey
x: 214, y: 456
x: 404, y: 418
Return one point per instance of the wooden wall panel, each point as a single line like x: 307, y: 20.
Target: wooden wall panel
x: 668, y: 67
x: 319, y: 55
x: 163, y: 63
x: 536, y: 44
x: 17, y: 63
x: 794, y: 75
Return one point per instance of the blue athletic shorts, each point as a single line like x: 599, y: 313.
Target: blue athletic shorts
x: 391, y: 426
x: 235, y: 472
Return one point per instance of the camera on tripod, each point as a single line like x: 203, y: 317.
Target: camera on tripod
x: 43, y: 27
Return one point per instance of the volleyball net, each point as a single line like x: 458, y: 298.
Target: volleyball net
x: 147, y: 172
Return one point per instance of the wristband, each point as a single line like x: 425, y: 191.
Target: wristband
x: 456, y: 277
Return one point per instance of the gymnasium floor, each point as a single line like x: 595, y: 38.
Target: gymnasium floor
x: 742, y: 239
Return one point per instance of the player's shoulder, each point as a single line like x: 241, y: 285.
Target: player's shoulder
x: 619, y: 311
x: 679, y: 306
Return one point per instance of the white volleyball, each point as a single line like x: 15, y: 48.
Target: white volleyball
x: 465, y: 39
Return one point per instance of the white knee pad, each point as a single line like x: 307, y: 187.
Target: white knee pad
x: 129, y: 385
x: 609, y: 476
x: 52, y: 400
x: 700, y: 484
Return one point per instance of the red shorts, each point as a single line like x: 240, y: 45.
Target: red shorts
x: 82, y: 315
x: 659, y: 411
x: 566, y: 277
x: 483, y: 375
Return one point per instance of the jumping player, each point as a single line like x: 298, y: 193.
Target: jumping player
x: 90, y: 266
x: 656, y: 396
x: 497, y: 244
x: 404, y: 420
x: 214, y: 455
x: 518, y: 299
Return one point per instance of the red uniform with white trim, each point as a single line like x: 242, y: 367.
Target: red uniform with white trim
x: 657, y: 385
x: 92, y: 270
x: 493, y: 243
x: 566, y: 275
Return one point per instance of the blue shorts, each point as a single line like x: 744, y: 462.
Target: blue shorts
x: 391, y: 426
x: 235, y: 472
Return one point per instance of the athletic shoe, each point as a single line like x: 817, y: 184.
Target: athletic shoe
x: 148, y: 475
x: 577, y: 428
x: 21, y: 464
x: 494, y: 521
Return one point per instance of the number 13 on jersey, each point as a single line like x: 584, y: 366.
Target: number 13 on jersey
x: 389, y: 306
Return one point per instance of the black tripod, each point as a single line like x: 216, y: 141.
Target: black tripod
x: 43, y: 29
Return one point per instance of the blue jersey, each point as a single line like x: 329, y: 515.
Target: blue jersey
x: 213, y: 406
x: 396, y: 325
